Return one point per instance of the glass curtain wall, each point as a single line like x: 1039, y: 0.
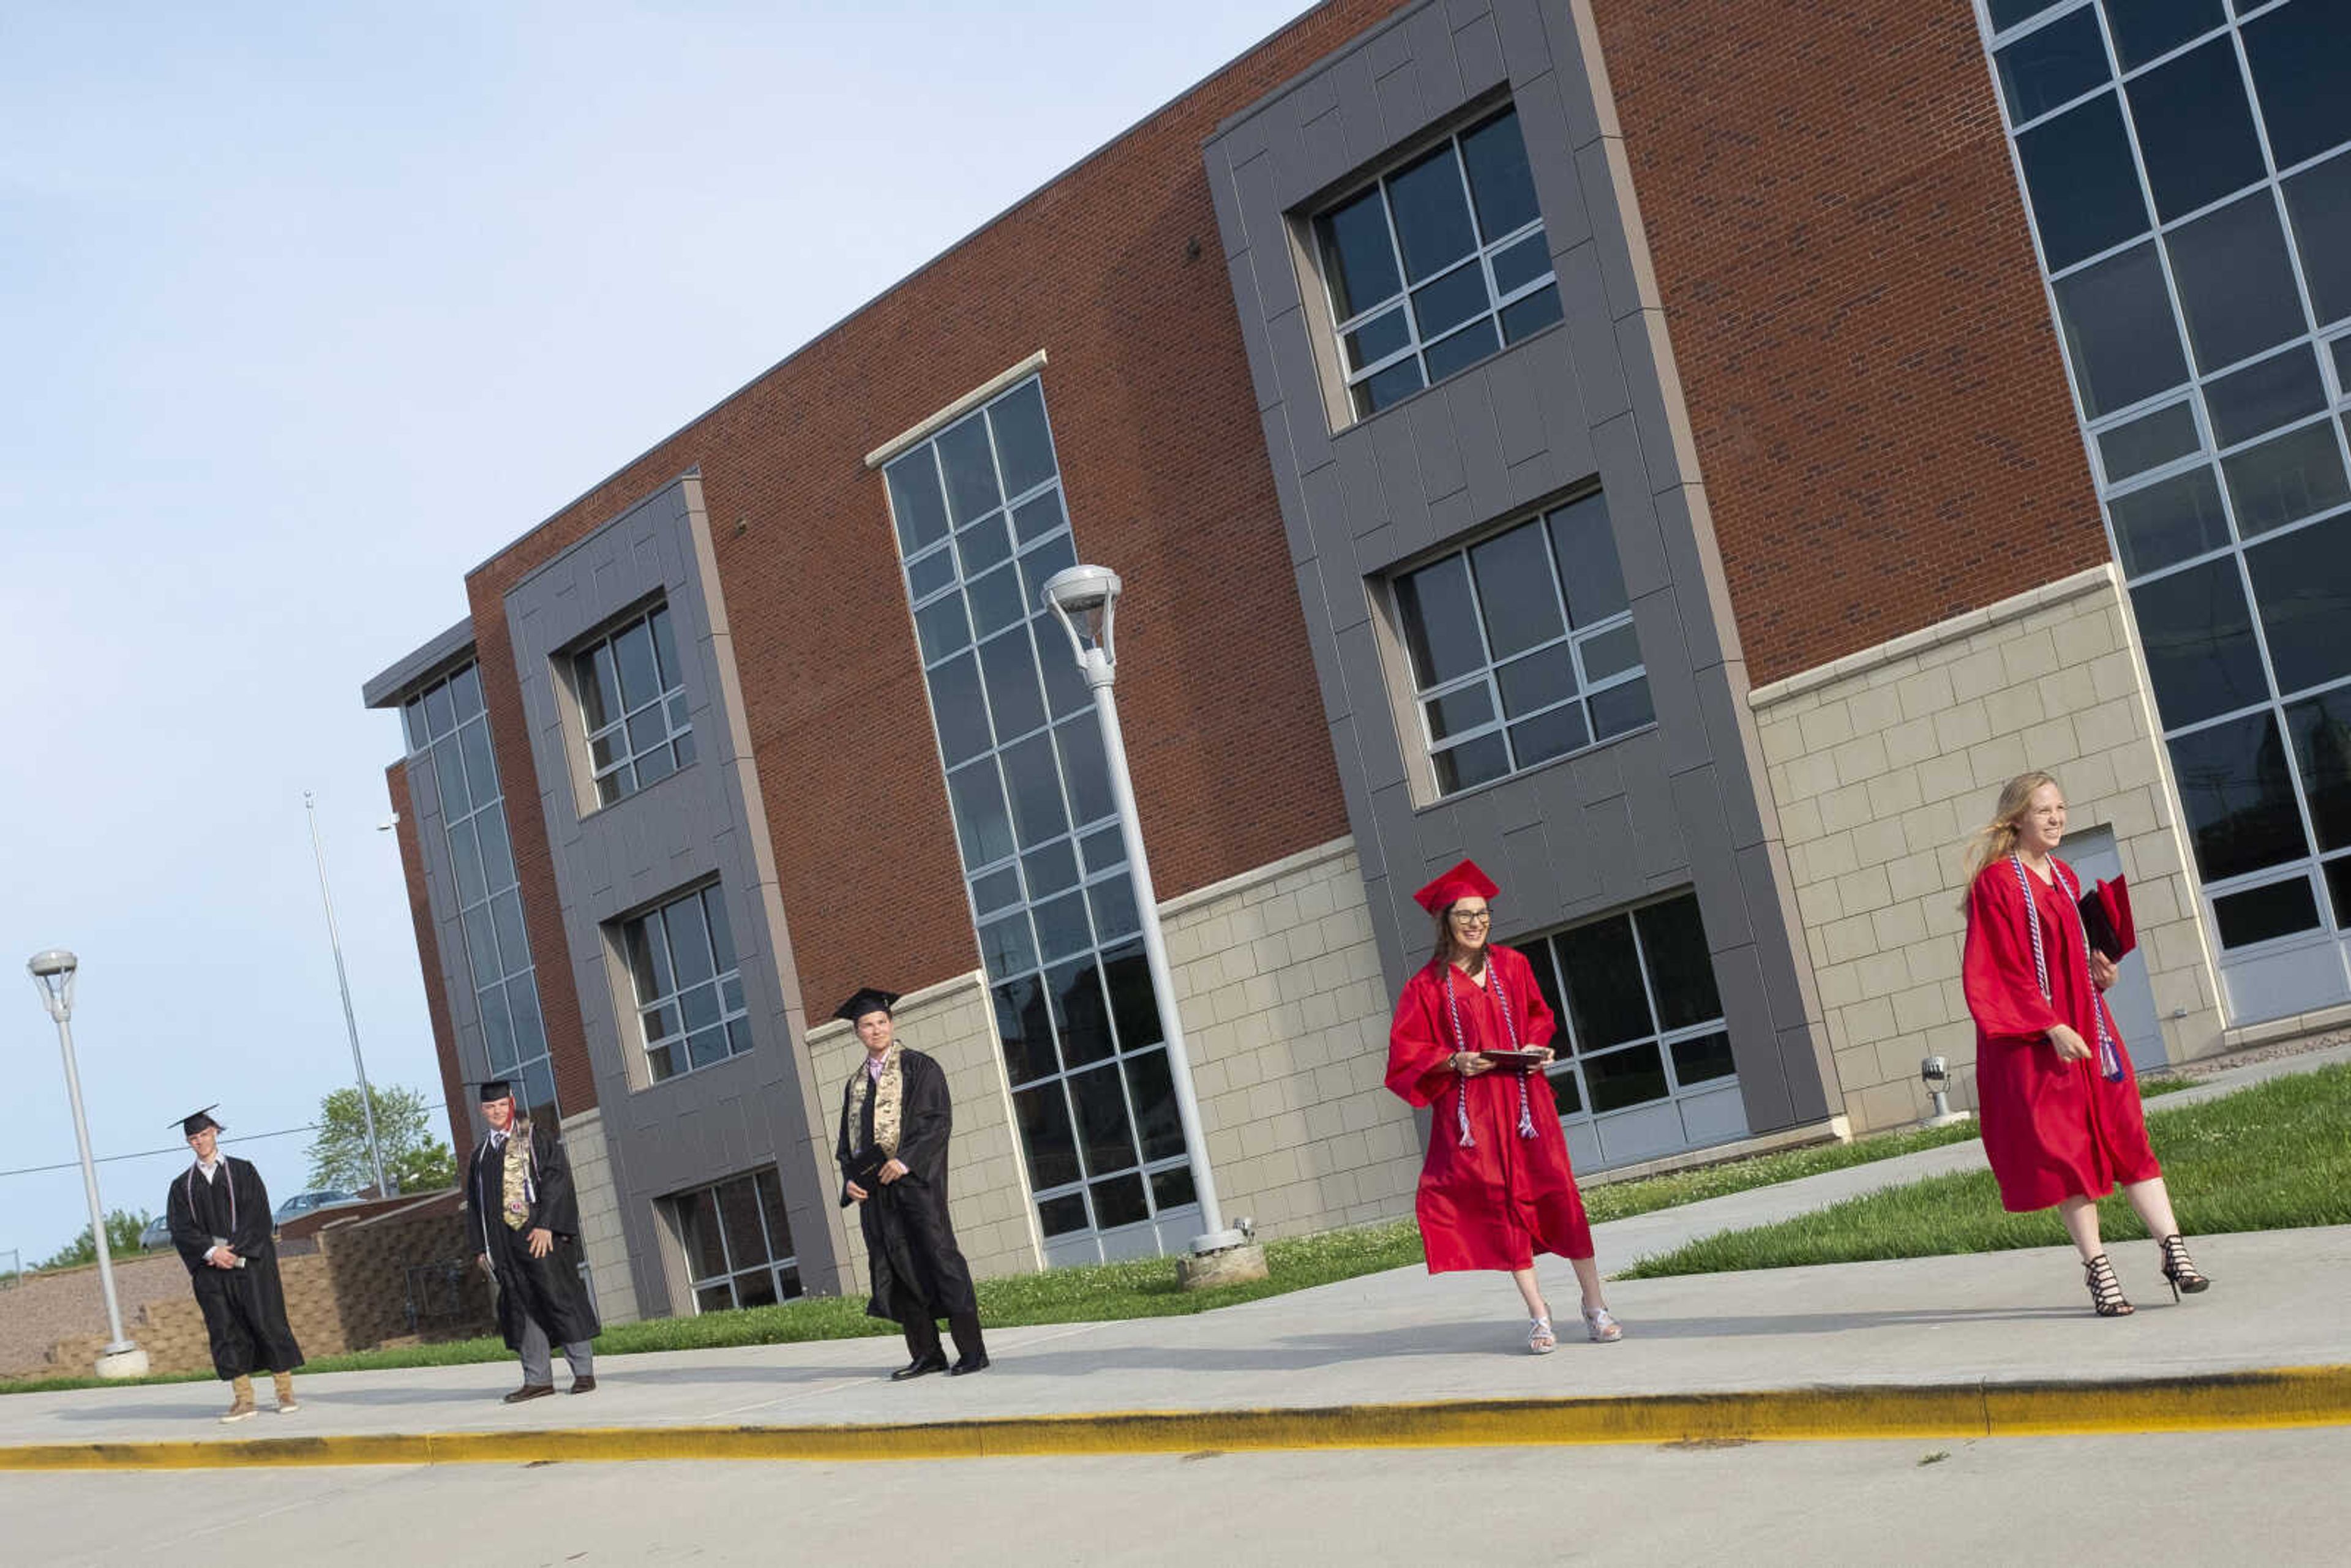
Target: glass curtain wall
x: 2188, y: 168
x: 981, y: 526
x: 449, y: 734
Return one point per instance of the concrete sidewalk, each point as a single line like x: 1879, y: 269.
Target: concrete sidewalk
x: 1901, y: 1346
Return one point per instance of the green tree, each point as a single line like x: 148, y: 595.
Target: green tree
x: 413, y: 1160
x: 122, y: 1228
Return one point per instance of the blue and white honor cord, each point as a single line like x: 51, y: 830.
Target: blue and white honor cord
x: 1461, y: 1043
x: 2110, y: 1062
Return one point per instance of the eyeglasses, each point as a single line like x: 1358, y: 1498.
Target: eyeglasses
x: 1473, y: 917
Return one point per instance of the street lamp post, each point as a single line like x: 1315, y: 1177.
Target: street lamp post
x: 1084, y: 599
x: 53, y: 975
x: 350, y: 1020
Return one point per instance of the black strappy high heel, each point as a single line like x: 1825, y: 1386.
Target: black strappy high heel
x: 2107, y: 1298
x: 2179, y: 1269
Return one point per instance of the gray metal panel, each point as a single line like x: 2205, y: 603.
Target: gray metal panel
x: 1678, y: 804
x: 753, y: 1110
x: 391, y: 686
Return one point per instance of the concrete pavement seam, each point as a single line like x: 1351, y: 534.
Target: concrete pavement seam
x: 2272, y: 1397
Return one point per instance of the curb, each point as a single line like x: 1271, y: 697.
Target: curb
x: 2275, y: 1397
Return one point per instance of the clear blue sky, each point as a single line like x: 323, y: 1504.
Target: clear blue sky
x: 305, y: 310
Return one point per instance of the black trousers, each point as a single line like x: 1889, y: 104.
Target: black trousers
x: 923, y: 1335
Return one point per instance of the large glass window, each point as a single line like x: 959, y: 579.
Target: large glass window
x: 2214, y: 409
x: 981, y: 525
x: 449, y: 738
x: 632, y: 703
x: 689, y: 988
x: 1438, y: 264
x: 1522, y: 647
x: 1640, y: 1018
x: 738, y: 1247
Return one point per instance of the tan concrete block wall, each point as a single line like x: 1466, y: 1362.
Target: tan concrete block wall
x: 173, y: 1333
x: 1286, y: 1016
x: 1883, y: 763
x: 987, y: 1189
x: 601, y: 1236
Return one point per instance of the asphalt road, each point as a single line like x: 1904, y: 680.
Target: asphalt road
x: 2268, y: 1498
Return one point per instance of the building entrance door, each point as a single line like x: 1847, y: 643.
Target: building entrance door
x: 2091, y: 853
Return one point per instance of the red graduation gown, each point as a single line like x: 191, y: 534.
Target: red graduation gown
x: 1496, y: 1203
x: 2052, y: 1129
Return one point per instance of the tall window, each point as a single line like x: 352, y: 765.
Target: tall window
x: 1640, y: 1020
x: 980, y: 526
x: 2189, y: 176
x: 738, y: 1248
x: 448, y: 732
x: 689, y: 989
x: 1436, y: 264
x: 632, y: 702
x: 1522, y: 647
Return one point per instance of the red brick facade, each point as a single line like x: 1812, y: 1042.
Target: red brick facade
x: 1881, y: 412
x: 1113, y: 270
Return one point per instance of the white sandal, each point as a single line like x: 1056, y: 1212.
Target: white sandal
x: 1604, y: 1327
x: 1540, y: 1341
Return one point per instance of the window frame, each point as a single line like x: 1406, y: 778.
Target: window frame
x: 775, y: 1267
x: 1346, y: 381
x: 734, y: 1017
x: 672, y: 703
x: 1413, y: 698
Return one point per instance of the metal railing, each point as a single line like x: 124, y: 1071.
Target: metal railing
x: 15, y: 1272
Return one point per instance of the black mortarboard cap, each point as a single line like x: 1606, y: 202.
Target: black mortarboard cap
x: 191, y: 1126
x: 496, y: 1089
x: 868, y: 1000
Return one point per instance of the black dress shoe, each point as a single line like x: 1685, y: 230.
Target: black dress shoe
x: 921, y: 1366
x: 530, y: 1391
x: 582, y: 1384
x: 975, y: 1362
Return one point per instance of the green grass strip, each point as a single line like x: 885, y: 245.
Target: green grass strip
x: 2273, y: 1157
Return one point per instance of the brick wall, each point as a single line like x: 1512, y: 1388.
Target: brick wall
x: 1864, y: 348
x: 348, y: 1289
x: 602, y: 1239
x: 1114, y: 270
x: 1883, y: 763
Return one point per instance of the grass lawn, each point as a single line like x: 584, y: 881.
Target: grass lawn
x: 1144, y: 1288
x: 2269, y: 1157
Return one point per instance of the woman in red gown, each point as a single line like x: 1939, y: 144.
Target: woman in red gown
x: 1496, y: 1187
x: 2056, y: 1093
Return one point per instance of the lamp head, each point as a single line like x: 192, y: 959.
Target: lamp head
x: 1084, y: 599
x: 52, y: 969
x: 1935, y: 1072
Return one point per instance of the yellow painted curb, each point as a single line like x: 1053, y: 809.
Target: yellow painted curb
x: 2280, y: 1396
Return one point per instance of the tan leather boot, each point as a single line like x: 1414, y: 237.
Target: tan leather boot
x: 283, y: 1383
x: 243, y: 1409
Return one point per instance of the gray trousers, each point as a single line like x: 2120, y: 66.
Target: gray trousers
x: 539, y: 1363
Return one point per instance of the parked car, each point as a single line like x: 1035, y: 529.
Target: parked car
x: 157, y: 1234
x: 304, y: 1202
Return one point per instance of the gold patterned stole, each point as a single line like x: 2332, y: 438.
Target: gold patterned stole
x: 514, y: 1206
x: 886, y: 1102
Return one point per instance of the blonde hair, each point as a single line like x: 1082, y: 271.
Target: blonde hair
x: 1996, y: 840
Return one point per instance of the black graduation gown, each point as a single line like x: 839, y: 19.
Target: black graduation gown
x: 918, y: 1270
x: 547, y: 1288
x: 244, y: 1309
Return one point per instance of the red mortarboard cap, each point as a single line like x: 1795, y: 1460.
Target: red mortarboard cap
x: 1463, y: 880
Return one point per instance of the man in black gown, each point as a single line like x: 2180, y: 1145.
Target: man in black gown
x: 519, y: 1186
x: 219, y: 1214
x: 895, y: 1119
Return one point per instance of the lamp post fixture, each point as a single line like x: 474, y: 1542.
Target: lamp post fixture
x: 1084, y: 599
x: 350, y: 1020
x: 53, y: 976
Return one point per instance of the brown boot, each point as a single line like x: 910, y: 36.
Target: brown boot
x: 243, y: 1409
x: 286, y: 1402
